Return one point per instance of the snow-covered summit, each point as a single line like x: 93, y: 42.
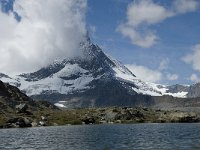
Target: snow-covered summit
x: 91, y: 78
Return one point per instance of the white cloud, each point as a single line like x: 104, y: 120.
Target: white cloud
x: 145, y: 41
x: 184, y: 6
x: 92, y: 29
x: 172, y: 77
x: 144, y: 13
x: 164, y: 64
x: 193, y: 58
x: 48, y: 30
x: 153, y: 75
x: 145, y: 73
x: 194, y: 78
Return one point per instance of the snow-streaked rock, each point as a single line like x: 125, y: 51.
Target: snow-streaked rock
x: 69, y: 80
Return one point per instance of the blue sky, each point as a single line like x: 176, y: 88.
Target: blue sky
x: 158, y: 40
x: 177, y: 35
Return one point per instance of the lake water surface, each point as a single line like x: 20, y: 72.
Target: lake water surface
x: 104, y: 137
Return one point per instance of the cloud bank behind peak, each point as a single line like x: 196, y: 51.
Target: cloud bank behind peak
x: 48, y: 30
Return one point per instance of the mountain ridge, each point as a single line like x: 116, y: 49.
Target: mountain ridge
x: 94, y: 79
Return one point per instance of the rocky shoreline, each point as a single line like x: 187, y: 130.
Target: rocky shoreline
x: 17, y: 110
x: 95, y: 116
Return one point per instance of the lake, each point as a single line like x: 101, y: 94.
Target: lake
x: 104, y: 137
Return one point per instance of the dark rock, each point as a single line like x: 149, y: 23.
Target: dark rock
x: 138, y: 114
x: 13, y: 100
x: 194, y: 91
x: 28, y: 113
x: 9, y: 125
x: 21, y: 123
x: 12, y: 120
x: 89, y: 120
x: 27, y: 122
x: 46, y: 104
x: 189, y: 119
x: 21, y: 108
x: 145, y: 109
x: 4, y: 76
x: 127, y: 115
x: 18, y: 122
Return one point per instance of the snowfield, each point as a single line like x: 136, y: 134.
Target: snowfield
x: 67, y: 76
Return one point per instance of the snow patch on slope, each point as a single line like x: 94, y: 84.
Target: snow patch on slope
x: 163, y: 89
x: 57, y: 82
x: 60, y: 105
x: 71, y: 77
x: 145, y: 88
x: 141, y: 87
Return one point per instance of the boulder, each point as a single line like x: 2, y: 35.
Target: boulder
x: 88, y: 120
x: 12, y: 120
x: 43, y: 118
x: 34, y: 124
x: 138, y: 114
x: 21, y: 108
x: 19, y: 122
x: 42, y: 123
x: 189, y: 118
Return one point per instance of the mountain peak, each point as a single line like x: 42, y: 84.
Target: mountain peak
x: 90, y: 80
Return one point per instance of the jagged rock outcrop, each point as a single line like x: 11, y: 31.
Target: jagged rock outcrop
x: 16, y: 108
x: 194, y: 90
x: 12, y: 99
x: 177, y: 88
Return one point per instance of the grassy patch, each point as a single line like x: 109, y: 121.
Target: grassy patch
x: 2, y: 120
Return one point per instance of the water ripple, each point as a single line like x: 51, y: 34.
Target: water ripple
x: 104, y: 137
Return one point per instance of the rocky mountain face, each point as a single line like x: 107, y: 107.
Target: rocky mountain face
x: 93, y: 79
x: 194, y: 90
x: 11, y: 97
x: 191, y: 91
x: 4, y: 76
x: 18, y: 110
x: 177, y: 88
